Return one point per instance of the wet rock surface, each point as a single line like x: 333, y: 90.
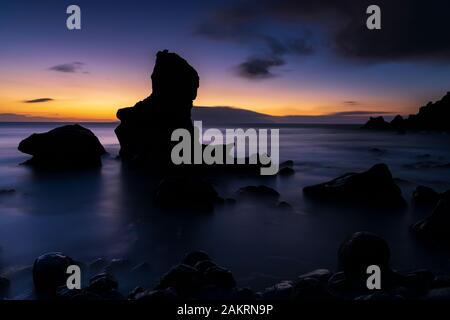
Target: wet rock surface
x: 66, y: 147
x: 374, y: 187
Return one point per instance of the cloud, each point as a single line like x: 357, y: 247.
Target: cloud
x: 71, y: 67
x: 258, y: 68
x: 411, y: 29
x: 239, y: 25
x: 15, y: 117
x: 39, y: 100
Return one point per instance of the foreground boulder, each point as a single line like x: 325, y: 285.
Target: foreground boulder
x: 66, y: 147
x: 49, y: 273
x: 197, y: 278
x: 374, y: 187
x: 361, y: 250
x: 435, y: 228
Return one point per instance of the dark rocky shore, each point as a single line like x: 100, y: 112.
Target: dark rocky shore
x: 199, y: 277
x: 431, y: 117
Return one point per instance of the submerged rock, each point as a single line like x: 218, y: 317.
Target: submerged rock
x: 66, y: 147
x: 259, y: 193
x: 187, y: 194
x: 374, y: 187
x: 286, y: 171
x: 377, y: 123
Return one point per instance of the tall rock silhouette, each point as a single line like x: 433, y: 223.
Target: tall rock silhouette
x: 146, y: 128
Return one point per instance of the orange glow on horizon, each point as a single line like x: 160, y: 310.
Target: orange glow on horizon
x: 97, y: 97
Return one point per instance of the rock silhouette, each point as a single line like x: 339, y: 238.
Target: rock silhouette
x: 374, y: 187
x: 66, y: 147
x: 145, y: 130
x: 431, y: 117
x: 377, y: 123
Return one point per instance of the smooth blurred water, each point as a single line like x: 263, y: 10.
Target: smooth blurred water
x: 108, y: 213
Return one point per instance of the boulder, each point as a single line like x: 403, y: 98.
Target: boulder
x: 204, y: 265
x: 66, y: 147
x: 218, y: 277
x: 168, y: 294
x: 279, y: 291
x: 361, y: 250
x: 103, y: 283
x: 427, y: 196
x: 183, y: 278
x: 373, y: 188
x: 49, y: 272
x: 194, y: 257
x: 185, y: 193
x: 436, y: 226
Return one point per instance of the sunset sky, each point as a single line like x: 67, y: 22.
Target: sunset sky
x: 278, y: 57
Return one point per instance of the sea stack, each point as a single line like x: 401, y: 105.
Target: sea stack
x: 145, y: 129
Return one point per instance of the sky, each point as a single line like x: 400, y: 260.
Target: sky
x: 280, y: 57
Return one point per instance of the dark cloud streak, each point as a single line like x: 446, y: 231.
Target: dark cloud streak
x: 71, y: 67
x: 258, y: 68
x: 39, y: 100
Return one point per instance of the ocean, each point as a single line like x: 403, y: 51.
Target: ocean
x: 108, y: 213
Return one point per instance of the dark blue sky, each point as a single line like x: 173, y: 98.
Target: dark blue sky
x: 280, y: 57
